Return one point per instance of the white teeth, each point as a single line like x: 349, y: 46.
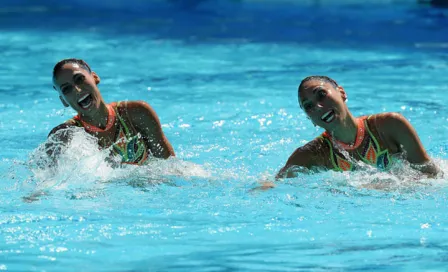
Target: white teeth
x: 82, y: 98
x: 86, y: 106
x: 326, y: 114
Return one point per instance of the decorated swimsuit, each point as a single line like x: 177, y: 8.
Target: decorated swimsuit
x: 371, y: 154
x: 128, y: 143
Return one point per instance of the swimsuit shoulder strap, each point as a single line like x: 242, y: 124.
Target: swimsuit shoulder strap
x: 372, y: 152
x: 333, y: 157
x: 120, y: 109
x: 375, y: 141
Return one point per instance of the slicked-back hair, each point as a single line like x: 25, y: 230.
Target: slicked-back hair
x: 319, y: 78
x: 61, y: 63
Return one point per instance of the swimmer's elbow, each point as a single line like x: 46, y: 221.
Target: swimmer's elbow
x: 284, y: 172
x: 430, y: 169
x: 57, y: 130
x: 292, y: 171
x: 57, y: 141
x: 302, y: 160
x: 281, y: 174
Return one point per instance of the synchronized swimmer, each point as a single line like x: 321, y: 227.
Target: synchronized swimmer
x: 132, y: 129
x: 375, y: 139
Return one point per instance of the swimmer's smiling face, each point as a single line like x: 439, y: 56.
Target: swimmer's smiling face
x: 77, y: 87
x: 323, y: 103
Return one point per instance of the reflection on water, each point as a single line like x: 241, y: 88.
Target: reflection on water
x: 223, y: 80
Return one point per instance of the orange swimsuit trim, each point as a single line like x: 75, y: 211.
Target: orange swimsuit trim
x: 128, y: 144
x: 371, y: 153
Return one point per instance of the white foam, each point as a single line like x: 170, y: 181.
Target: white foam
x: 400, y: 177
x: 82, y: 164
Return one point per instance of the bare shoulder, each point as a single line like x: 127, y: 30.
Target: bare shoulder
x: 388, y: 120
x: 137, y: 108
x: 308, y: 155
x: 67, y: 124
x: 145, y: 121
x: 306, y: 158
x: 141, y: 115
x: 393, y: 127
x: 135, y: 104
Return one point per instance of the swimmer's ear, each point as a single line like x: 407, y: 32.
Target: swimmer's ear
x: 342, y: 92
x: 64, y: 102
x: 96, y: 77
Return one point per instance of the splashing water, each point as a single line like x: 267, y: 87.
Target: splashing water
x: 223, y: 82
x: 82, y: 164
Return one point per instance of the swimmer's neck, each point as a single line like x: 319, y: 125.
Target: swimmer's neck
x: 97, y: 118
x: 347, y: 131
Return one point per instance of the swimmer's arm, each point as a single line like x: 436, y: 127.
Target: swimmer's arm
x: 146, y: 121
x: 405, y: 136
x: 301, y: 160
x: 57, y: 138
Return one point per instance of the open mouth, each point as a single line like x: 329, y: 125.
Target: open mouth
x: 328, y: 116
x: 85, y: 101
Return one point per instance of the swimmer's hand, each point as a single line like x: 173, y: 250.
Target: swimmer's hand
x: 264, y: 186
x: 34, y: 196
x: 429, y: 169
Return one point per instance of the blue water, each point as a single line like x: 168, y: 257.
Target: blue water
x: 222, y: 78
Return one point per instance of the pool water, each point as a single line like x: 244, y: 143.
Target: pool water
x: 223, y: 79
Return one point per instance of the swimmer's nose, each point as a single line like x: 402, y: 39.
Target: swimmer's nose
x: 315, y: 108
x: 77, y: 89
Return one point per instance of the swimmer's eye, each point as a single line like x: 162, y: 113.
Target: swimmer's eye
x: 307, y: 106
x: 79, y: 79
x: 66, y: 90
x: 321, y: 94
